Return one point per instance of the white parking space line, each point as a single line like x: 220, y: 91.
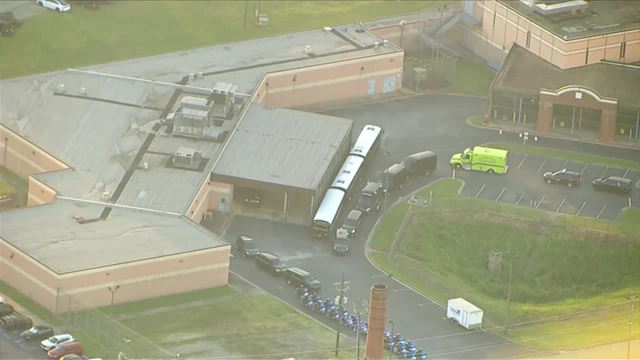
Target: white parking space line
x: 565, y: 164
x: 499, y: 196
x: 601, y: 211
x: 562, y: 203
x: 605, y: 171
x: 523, y: 159
x: 585, y: 168
x: 540, y: 202
x: 544, y: 162
x: 479, y: 191
x: 625, y: 173
x: 581, y: 207
x: 520, y: 199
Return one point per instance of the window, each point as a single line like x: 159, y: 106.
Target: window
x: 528, y: 39
x: 623, y: 49
x: 586, y: 57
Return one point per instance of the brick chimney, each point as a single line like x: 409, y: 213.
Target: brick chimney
x: 377, y: 322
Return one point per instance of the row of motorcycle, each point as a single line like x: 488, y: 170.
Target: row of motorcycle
x: 394, y: 343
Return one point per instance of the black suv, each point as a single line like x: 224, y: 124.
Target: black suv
x: 246, y: 246
x: 564, y: 176
x: 298, y: 277
x: 613, y: 184
x: 352, y: 222
x: 370, y: 198
x: 271, y: 263
x: 15, y: 322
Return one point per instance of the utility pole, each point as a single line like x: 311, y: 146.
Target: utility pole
x: 511, y: 258
x: 361, y: 308
x: 393, y: 332
x: 632, y: 300
x: 341, y: 287
x: 113, y: 290
x: 246, y: 4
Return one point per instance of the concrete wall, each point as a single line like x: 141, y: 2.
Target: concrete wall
x: 39, y: 193
x: 330, y: 82
x: 502, y: 27
x: 138, y: 280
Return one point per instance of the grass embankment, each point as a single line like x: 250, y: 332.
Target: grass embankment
x: 130, y: 29
x: 472, y: 78
x: 197, y: 324
x: 13, y: 186
x: 569, y: 283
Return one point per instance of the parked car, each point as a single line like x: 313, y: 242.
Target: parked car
x: 37, y: 333
x: 564, y: 177
x: 352, y: 222
x: 57, y: 5
x: 246, y: 246
x: 16, y: 323
x: 5, y: 309
x: 341, y: 242
x: 65, y: 349
x: 52, y: 342
x: 370, y: 199
x: 298, y: 277
x: 422, y: 163
x: 271, y: 263
x: 613, y: 184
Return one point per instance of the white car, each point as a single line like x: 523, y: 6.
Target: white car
x: 54, y: 341
x: 57, y: 5
x: 1, y: 300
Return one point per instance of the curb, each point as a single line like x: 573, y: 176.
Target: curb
x: 550, y: 135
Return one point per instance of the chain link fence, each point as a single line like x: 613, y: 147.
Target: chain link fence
x: 490, y: 291
x: 429, y: 69
x: 109, y: 336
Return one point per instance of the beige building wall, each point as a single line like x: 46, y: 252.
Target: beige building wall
x: 39, y: 193
x: 138, y: 280
x: 502, y: 27
x: 330, y: 82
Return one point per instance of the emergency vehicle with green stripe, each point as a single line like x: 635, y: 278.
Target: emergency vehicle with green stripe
x: 492, y: 161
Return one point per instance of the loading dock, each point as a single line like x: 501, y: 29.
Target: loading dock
x: 286, y: 158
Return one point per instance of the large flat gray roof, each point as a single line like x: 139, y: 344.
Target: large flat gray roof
x: 283, y: 147
x: 51, y: 236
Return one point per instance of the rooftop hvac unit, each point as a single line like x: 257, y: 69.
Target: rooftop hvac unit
x: 187, y: 157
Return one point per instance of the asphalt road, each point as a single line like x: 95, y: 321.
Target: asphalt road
x: 13, y: 348
x: 432, y: 122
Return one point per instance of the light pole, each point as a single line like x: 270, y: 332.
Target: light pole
x: 632, y: 300
x: 393, y: 330
x: 512, y: 258
x: 361, y: 308
x: 112, y: 290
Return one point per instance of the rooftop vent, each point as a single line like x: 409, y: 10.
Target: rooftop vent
x: 222, y: 97
x: 187, y: 157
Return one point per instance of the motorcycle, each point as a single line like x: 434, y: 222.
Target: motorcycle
x: 411, y: 355
x: 422, y: 355
x: 301, y: 290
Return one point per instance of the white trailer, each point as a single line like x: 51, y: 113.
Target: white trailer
x: 464, y: 313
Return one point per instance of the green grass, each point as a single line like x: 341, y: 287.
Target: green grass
x: 550, y: 281
x: 255, y: 326
x: 170, y: 300
x: 472, y: 78
x: 566, y: 155
x: 131, y: 29
x: 477, y: 120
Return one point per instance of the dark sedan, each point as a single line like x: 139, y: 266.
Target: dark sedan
x: 37, y: 333
x: 613, y: 184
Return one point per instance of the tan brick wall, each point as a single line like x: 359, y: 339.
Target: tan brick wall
x: 24, y: 158
x: 39, y: 193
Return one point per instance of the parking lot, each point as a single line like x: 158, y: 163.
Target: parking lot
x: 12, y: 347
x: 523, y: 185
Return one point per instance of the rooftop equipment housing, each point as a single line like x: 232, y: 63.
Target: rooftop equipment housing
x: 187, y: 158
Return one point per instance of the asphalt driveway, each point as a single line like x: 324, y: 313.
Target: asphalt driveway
x: 523, y: 185
x: 415, y: 316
